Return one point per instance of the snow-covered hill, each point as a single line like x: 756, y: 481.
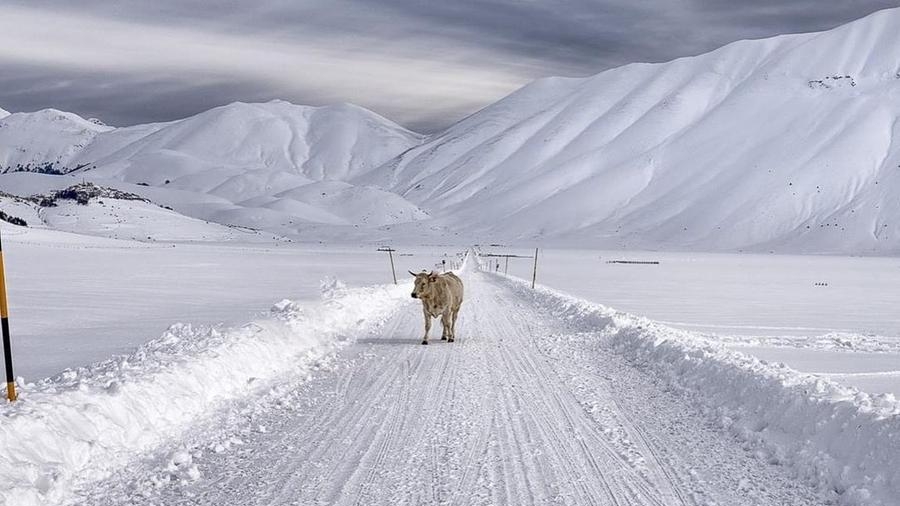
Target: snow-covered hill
x: 44, y: 141
x: 317, y: 143
x: 104, y: 212
x: 276, y: 166
x: 786, y: 143
x: 782, y: 144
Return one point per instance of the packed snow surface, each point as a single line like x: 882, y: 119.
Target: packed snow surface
x: 545, y: 397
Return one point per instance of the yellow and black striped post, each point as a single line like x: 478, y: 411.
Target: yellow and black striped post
x: 4, y: 322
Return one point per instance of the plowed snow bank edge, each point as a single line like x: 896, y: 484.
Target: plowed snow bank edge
x: 84, y: 423
x: 838, y: 439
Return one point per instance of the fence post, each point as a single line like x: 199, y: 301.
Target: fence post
x: 534, y: 274
x: 4, y: 323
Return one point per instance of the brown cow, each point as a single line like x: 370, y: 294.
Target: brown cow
x: 441, y: 295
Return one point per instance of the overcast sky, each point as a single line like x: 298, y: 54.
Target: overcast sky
x: 423, y: 63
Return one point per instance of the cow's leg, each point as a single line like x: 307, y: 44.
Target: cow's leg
x: 446, y: 321
x: 453, y: 323
x: 427, y: 326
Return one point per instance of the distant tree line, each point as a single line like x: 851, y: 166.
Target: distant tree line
x: 15, y: 220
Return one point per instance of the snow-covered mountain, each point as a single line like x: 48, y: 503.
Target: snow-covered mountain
x: 275, y: 166
x: 46, y: 140
x: 88, y: 209
x: 780, y: 144
x: 788, y: 143
x: 317, y: 143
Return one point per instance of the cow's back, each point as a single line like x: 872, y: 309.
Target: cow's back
x: 456, y: 287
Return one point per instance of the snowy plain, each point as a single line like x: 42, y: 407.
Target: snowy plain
x: 77, y: 299
x: 195, y: 415
x: 831, y: 315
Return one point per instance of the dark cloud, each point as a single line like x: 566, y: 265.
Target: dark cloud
x: 119, y: 99
x: 424, y: 63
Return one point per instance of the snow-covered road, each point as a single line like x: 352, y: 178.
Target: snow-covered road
x: 525, y: 408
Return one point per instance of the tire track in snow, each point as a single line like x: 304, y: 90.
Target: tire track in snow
x: 674, y: 443
x: 502, y: 416
x: 541, y: 392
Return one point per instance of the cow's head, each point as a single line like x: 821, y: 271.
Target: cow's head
x: 424, y: 284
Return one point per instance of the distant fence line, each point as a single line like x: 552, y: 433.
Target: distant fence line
x: 638, y: 262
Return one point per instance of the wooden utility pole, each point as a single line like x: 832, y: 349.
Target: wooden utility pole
x: 4, y: 323
x: 534, y: 274
x: 390, y: 252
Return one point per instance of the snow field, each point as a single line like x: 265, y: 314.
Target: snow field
x: 76, y: 300
x: 874, y: 372
x: 833, y: 437
x: 85, y: 423
x: 527, y: 408
x: 761, y: 296
x: 769, y: 306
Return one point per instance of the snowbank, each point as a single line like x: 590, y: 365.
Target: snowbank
x: 79, y: 426
x: 835, y: 438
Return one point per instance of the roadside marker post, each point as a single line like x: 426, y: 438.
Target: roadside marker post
x: 390, y: 252
x: 534, y: 274
x: 4, y: 323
